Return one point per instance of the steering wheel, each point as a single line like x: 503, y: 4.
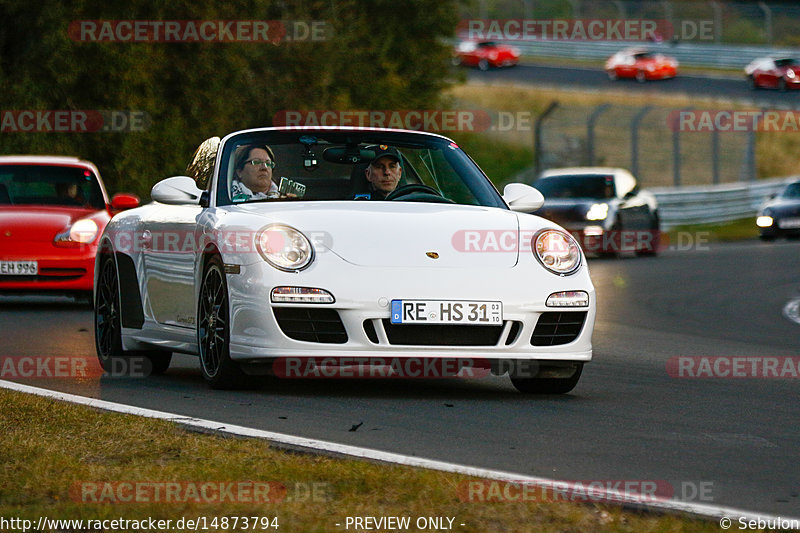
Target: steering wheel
x: 417, y: 192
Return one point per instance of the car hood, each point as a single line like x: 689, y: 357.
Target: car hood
x: 37, y: 224
x: 783, y: 207
x: 403, y: 234
x: 572, y: 210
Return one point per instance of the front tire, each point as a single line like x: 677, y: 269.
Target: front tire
x: 483, y: 65
x: 539, y: 385
x: 107, y: 325
x: 641, y: 77
x: 213, y: 331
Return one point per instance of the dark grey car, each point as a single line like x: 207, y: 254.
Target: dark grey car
x: 780, y: 215
x: 603, y: 208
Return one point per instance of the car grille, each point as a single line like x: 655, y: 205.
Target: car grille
x: 311, y: 324
x: 441, y: 335
x: 50, y: 274
x: 555, y: 328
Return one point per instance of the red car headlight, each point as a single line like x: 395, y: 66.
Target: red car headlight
x: 83, y: 231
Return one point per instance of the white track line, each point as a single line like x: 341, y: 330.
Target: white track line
x: 610, y: 496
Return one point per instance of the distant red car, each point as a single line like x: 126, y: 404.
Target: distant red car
x: 52, y: 212
x: 773, y: 73
x: 641, y: 65
x: 485, y: 54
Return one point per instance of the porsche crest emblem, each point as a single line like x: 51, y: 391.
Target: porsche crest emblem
x: 432, y: 255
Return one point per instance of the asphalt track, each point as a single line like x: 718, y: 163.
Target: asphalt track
x: 710, y: 86
x: 627, y: 419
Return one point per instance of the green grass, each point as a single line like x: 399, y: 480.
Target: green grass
x: 50, y: 450
x: 737, y: 230
x: 499, y: 160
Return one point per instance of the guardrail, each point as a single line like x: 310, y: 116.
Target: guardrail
x: 712, y: 204
x: 701, y: 55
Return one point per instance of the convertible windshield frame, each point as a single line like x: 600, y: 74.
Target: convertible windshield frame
x: 461, y: 165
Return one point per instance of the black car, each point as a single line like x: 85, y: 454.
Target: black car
x: 780, y: 216
x: 603, y: 208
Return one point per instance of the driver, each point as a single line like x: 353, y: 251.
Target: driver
x: 383, y: 172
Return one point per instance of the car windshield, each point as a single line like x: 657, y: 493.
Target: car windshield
x: 49, y: 185
x: 331, y: 165
x: 598, y: 187
x: 785, y: 62
x: 792, y: 191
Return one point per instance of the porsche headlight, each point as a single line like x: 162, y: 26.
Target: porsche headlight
x: 597, y: 212
x: 790, y: 74
x: 82, y: 231
x: 284, y: 247
x: 557, y: 251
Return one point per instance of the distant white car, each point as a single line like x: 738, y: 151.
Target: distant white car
x: 443, y: 268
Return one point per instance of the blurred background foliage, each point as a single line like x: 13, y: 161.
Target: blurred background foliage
x: 379, y: 55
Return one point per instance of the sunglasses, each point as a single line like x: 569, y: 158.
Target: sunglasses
x: 259, y: 162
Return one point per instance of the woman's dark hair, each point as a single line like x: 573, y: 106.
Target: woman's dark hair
x: 242, y: 152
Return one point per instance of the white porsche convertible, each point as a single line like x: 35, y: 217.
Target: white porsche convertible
x: 347, y: 246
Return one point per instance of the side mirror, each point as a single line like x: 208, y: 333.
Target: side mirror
x: 124, y: 200
x: 523, y: 198
x: 178, y: 190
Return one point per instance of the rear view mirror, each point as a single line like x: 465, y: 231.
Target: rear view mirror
x: 347, y: 155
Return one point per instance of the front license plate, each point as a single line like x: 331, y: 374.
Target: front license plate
x: 789, y: 223
x: 447, y: 312
x: 19, y: 268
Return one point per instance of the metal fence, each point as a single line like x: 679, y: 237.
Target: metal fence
x: 641, y: 139
x: 693, y: 54
x: 733, y: 22
x: 721, y: 203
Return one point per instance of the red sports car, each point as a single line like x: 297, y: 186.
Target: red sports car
x: 485, y: 54
x: 640, y: 64
x: 773, y: 72
x: 52, y: 212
